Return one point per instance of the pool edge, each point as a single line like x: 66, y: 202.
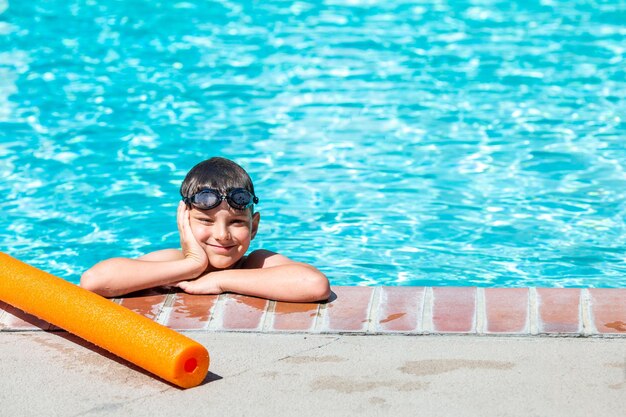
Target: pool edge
x: 561, y: 312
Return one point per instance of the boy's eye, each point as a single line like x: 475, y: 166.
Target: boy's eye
x: 205, y: 221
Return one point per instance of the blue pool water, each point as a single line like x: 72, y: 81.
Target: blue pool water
x: 391, y: 143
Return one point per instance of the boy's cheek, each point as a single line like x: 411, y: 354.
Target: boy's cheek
x: 198, y: 233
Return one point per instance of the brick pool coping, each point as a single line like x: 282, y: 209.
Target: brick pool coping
x: 590, y: 312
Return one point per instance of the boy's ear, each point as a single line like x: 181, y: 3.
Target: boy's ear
x: 256, y: 218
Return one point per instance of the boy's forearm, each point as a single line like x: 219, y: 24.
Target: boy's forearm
x: 118, y: 276
x: 293, y: 283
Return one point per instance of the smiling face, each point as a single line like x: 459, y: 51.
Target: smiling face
x: 224, y: 233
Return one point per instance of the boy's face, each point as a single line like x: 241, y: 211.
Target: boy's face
x: 224, y: 233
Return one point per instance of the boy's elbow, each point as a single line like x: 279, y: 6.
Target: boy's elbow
x: 87, y: 280
x: 90, y: 281
x: 323, y: 294
x: 319, y: 287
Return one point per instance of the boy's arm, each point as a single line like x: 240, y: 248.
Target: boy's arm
x: 118, y: 276
x: 268, y: 275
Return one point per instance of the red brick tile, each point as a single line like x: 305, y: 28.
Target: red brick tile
x: 295, y: 316
x: 349, y: 312
x: 559, y: 310
x: 400, y: 309
x: 191, y: 312
x: 506, y: 310
x: 243, y: 313
x: 147, y: 303
x: 608, y: 309
x: 454, y: 309
x: 16, y: 319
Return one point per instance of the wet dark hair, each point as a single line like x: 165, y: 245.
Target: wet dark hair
x: 217, y: 173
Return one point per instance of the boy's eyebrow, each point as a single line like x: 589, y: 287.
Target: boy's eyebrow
x: 239, y: 217
x: 201, y: 215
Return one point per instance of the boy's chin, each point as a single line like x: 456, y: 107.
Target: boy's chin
x: 220, y: 264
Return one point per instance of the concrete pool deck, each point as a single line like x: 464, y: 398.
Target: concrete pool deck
x: 369, y: 351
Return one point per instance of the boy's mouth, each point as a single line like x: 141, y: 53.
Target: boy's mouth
x: 222, y: 248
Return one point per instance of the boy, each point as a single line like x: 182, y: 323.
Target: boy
x: 216, y: 222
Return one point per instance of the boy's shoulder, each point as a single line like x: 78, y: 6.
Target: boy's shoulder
x: 262, y: 258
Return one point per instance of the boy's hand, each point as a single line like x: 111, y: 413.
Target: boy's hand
x: 206, y: 284
x: 190, y: 246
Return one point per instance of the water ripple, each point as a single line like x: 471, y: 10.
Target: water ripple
x: 392, y: 143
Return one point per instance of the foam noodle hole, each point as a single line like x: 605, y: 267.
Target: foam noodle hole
x: 191, y: 365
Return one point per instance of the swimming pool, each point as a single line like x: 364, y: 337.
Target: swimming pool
x: 391, y: 143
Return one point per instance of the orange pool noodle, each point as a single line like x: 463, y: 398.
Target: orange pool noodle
x: 149, y: 345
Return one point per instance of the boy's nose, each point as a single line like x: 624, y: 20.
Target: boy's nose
x: 220, y: 232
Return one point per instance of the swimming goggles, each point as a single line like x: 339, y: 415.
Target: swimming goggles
x: 238, y: 198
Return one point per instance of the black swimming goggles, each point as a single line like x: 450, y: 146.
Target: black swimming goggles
x: 237, y: 198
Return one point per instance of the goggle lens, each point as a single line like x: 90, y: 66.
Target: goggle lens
x: 239, y: 199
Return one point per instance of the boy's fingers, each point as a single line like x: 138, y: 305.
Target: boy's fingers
x: 183, y: 219
x: 184, y: 226
x: 179, y: 214
x: 185, y: 286
x: 179, y: 219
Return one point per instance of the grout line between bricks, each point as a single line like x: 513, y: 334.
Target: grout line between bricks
x: 267, y: 324
x: 382, y: 301
x: 322, y: 318
x: 316, y: 318
x: 427, y: 311
x: 372, y: 313
x: 216, y: 320
x: 166, y: 309
x: 480, y: 312
x: 586, y: 315
x: 319, y: 320
x: 533, y: 311
x: 211, y: 314
x: 264, y: 315
x: 419, y: 326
